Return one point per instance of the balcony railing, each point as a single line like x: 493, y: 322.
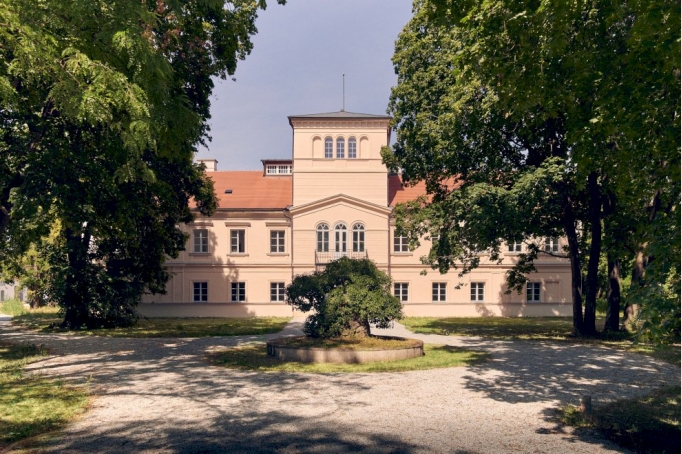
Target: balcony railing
x: 322, y: 258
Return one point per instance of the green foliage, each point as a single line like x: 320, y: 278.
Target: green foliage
x: 435, y: 356
x: 12, y: 307
x: 102, y: 106
x: 346, y: 297
x: 542, y: 115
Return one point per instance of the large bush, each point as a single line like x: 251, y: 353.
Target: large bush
x: 345, y: 299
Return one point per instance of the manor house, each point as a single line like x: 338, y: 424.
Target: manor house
x: 333, y: 198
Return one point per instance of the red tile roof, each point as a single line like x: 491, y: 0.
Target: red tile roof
x: 397, y: 193
x: 252, y: 190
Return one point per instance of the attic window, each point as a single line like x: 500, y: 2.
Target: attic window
x: 228, y: 191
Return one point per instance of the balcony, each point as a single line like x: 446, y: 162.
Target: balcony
x: 322, y: 258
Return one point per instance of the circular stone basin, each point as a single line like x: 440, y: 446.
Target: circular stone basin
x: 303, y: 350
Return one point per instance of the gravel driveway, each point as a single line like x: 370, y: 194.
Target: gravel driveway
x: 159, y: 395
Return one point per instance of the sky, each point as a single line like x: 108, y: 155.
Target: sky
x: 296, y: 66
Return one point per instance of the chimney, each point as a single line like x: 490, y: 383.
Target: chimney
x: 211, y: 164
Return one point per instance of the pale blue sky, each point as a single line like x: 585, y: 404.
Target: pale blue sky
x: 299, y: 54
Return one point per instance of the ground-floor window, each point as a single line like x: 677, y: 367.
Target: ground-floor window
x: 238, y: 291
x: 200, y: 292
x: 2, y: 295
x: 533, y: 292
x: 438, y: 291
x: 400, y: 290
x: 477, y: 291
x: 277, y: 291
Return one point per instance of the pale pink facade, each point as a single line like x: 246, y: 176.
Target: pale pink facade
x: 333, y: 198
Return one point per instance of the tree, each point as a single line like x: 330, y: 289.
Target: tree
x: 102, y: 106
x: 526, y: 104
x: 346, y: 297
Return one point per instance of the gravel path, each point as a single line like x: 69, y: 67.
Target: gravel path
x: 159, y: 395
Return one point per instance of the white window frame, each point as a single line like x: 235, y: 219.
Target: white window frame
x: 533, y: 292
x: 439, y: 292
x: 340, y: 238
x: 358, y: 237
x: 200, y: 241
x: 400, y: 243
x: 477, y: 291
x: 551, y: 244
x: 277, y: 241
x: 284, y: 169
x: 328, y: 148
x: 277, y: 292
x: 270, y: 169
x: 322, y: 237
x: 515, y: 246
x: 340, y: 148
x: 240, y: 292
x: 203, y: 292
x: 401, y: 290
x: 238, y: 242
x: 352, y: 148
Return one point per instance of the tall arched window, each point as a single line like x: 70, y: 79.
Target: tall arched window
x: 340, y: 238
x: 358, y: 238
x: 352, y: 148
x: 323, y: 238
x: 328, y: 147
x: 340, y: 148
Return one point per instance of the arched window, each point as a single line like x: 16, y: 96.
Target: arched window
x: 340, y: 237
x: 328, y: 147
x: 358, y: 238
x: 352, y: 148
x: 340, y: 148
x: 323, y: 238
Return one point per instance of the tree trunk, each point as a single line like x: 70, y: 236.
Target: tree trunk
x: 613, y: 296
x: 568, y: 218
x: 592, y: 281
x: 357, y: 328
x: 75, y: 302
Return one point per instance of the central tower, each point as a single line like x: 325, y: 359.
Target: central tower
x: 339, y: 153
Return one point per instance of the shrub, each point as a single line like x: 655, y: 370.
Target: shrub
x: 346, y: 298
x: 12, y: 307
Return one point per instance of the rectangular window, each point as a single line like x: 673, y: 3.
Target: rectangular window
x: 400, y: 290
x: 328, y: 148
x: 533, y: 292
x: 237, y: 245
x: 551, y: 245
x: 352, y: 148
x: 477, y: 291
x: 515, y: 246
x: 238, y: 291
x: 276, y: 241
x: 200, y: 292
x: 277, y: 291
x: 438, y: 291
x: 270, y: 169
x: 2, y: 295
x: 284, y: 169
x: 400, y: 243
x: 201, y: 240
x: 340, y: 148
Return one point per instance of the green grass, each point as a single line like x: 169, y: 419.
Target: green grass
x: 254, y: 357
x: 31, y: 405
x: 362, y: 343
x: 649, y: 424
x: 12, y: 307
x: 535, y: 328
x: 47, y: 322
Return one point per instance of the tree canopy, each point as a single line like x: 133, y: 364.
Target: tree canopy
x: 558, y: 119
x: 102, y: 106
x: 346, y: 297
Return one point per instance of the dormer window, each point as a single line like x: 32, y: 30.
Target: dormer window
x: 328, y: 148
x: 340, y: 148
x: 352, y: 148
x: 270, y: 169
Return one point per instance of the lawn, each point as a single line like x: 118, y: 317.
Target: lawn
x: 649, y: 424
x: 29, y: 404
x: 46, y: 321
x: 254, y: 357
x: 535, y: 328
